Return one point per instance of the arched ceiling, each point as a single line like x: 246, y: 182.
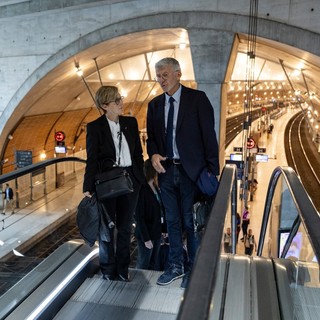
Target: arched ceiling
x: 64, y: 101
x: 282, y: 73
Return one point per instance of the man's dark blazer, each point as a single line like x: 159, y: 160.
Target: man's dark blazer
x: 195, y: 135
x: 101, y: 152
x: 10, y: 193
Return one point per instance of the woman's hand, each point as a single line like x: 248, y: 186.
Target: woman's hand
x: 87, y: 194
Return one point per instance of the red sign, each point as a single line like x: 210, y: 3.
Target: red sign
x: 59, y: 136
x: 251, y: 143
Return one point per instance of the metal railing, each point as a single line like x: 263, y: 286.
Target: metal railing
x: 306, y: 211
x: 197, y: 301
x: 202, y: 281
x: 35, y: 181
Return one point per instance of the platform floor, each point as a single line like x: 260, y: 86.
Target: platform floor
x: 274, y: 144
x: 20, y: 229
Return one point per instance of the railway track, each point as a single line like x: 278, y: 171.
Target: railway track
x: 303, y: 157
x: 234, y: 125
x: 11, y: 271
x: 16, y: 268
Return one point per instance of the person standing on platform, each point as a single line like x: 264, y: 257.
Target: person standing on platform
x: 227, y: 243
x: 249, y: 243
x: 245, y: 222
x: 238, y: 219
x: 8, y: 199
x: 181, y: 144
x: 148, y: 214
x: 114, y: 139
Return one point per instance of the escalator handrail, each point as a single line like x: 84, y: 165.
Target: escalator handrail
x: 309, y: 215
x: 33, y: 167
x: 202, y: 281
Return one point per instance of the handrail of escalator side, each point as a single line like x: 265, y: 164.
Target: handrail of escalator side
x: 309, y: 215
x: 202, y: 281
x: 39, y: 165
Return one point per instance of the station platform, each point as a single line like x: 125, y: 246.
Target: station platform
x: 274, y: 144
x: 19, y: 230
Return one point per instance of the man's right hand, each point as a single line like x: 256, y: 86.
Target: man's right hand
x: 156, y: 163
x: 87, y: 194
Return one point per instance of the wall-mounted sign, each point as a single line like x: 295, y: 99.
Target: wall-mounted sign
x: 59, y: 136
x: 251, y: 143
x: 23, y: 158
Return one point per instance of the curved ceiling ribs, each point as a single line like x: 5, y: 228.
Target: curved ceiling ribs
x: 127, y: 62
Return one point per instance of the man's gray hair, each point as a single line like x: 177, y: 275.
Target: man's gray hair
x: 168, y: 62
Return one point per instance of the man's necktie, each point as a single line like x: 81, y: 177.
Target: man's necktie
x: 170, y: 129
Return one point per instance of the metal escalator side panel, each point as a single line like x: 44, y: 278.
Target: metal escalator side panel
x: 202, y: 282
x: 219, y: 291
x: 299, y: 289
x: 237, y: 299
x: 251, y: 292
x: 28, y: 284
x: 283, y: 273
x: 52, y: 294
x: 264, y: 296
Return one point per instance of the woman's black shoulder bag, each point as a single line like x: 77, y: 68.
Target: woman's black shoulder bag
x: 114, y: 182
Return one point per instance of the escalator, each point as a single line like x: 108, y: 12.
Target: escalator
x: 281, y: 282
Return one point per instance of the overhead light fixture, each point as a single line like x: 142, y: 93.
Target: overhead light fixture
x: 79, y: 72
x: 2, y: 162
x: 296, y: 72
x: 43, y: 155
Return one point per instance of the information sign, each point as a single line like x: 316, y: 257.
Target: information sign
x: 23, y: 158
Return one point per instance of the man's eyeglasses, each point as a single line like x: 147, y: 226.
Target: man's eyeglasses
x: 116, y: 101
x: 164, y: 76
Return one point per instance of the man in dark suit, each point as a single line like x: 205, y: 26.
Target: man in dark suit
x: 181, y: 145
x: 8, y: 199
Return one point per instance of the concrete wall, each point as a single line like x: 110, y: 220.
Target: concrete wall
x: 38, y: 35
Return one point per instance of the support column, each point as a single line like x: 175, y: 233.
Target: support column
x: 211, y: 51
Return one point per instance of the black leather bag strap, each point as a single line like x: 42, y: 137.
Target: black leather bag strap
x: 120, y: 143
x: 115, y: 163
